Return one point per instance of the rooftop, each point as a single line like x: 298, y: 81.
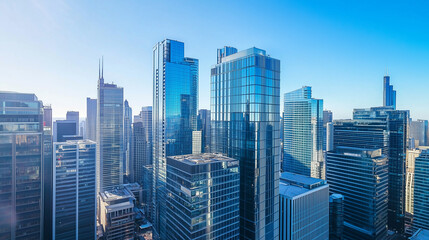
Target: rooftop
x: 421, y: 234
x: 243, y: 53
x: 116, y: 194
x: 203, y: 158
x: 301, y: 180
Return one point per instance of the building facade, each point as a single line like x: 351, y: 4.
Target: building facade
x: 421, y: 191
x: 110, y: 135
x: 203, y: 197
x: 245, y: 112
x: 204, y: 125
x: 336, y: 216
x: 63, y: 130
x: 47, y: 172
x: 389, y: 95
x: 91, y: 119
x: 74, y: 186
x: 303, y: 134
x: 128, y: 120
x: 74, y: 116
x: 304, y: 208
x: 21, y: 154
x: 175, y: 104
x: 418, y: 132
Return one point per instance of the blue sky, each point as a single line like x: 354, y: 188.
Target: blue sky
x: 340, y: 48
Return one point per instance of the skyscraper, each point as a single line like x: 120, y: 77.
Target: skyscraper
x: 91, y: 119
x: 63, y: 130
x: 245, y: 111
x: 47, y: 172
x: 74, y: 205
x: 73, y: 116
x: 357, y: 168
x: 303, y: 134
x: 418, y: 132
x: 128, y: 114
x: 175, y: 91
x: 327, y: 118
x: 397, y: 122
x: 389, y: 95
x: 138, y: 152
x: 196, y: 142
x: 204, y: 125
x: 336, y: 216
x: 110, y: 135
x: 203, y: 197
x: 21, y: 144
x: 47, y: 116
x: 304, y: 207
x: 421, y: 191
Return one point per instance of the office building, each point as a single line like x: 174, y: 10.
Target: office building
x: 421, y: 191
x: 138, y: 152
x: 304, y: 207
x: 110, y: 135
x: 224, y: 52
x: 389, y: 95
x: 175, y: 104
x: 74, y: 185
x: 47, y: 172
x: 245, y: 112
x: 64, y: 130
x: 91, y: 119
x: 412, y: 154
x: 303, y: 134
x: 115, y: 214
x: 128, y: 114
x: 397, y: 122
x: 203, y: 197
x: 204, y: 125
x: 418, y: 132
x: 147, y: 177
x: 196, y: 142
x: 21, y: 154
x: 47, y: 116
x: 336, y: 216
x: 73, y: 116
x: 327, y: 118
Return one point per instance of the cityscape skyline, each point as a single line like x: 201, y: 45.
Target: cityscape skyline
x: 355, y: 49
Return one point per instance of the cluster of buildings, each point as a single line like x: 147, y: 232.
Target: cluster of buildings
x: 241, y: 170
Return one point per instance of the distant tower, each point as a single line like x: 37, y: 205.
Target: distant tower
x: 128, y: 115
x: 389, y: 95
x: 91, y: 119
x: 73, y: 116
x: 110, y: 135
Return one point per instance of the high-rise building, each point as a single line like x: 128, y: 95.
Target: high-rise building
x: 224, y: 52
x: 327, y: 118
x: 389, y: 95
x: 21, y: 157
x: 128, y: 114
x: 336, y: 216
x: 73, y: 116
x: 421, y: 191
x: 147, y: 177
x: 203, y: 197
x: 245, y: 112
x: 303, y: 134
x: 412, y: 154
x: 357, y: 168
x: 141, y: 145
x: 418, y: 132
x: 115, y: 214
x: 204, y: 125
x: 175, y: 104
x: 304, y: 207
x: 74, y: 186
x: 197, y: 142
x: 47, y: 173
x: 110, y: 135
x: 397, y: 122
x: 91, y: 119
x: 64, y: 130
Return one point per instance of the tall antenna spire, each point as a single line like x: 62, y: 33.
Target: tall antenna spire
x: 102, y: 66
x: 99, y: 69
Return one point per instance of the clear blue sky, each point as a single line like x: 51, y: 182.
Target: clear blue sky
x: 340, y: 48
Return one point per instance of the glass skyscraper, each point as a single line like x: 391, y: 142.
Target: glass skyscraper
x: 175, y: 104
x: 204, y: 125
x: 128, y: 118
x: 74, y: 185
x: 245, y: 112
x: 397, y: 126
x: 203, y: 197
x: 303, y: 134
x: 91, y: 119
x: 389, y: 95
x: 47, y: 172
x: 110, y: 135
x: 421, y: 191
x: 21, y: 157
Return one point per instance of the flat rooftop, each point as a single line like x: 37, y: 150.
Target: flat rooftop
x: 421, y: 234
x: 301, y: 180
x: 116, y: 194
x: 203, y: 158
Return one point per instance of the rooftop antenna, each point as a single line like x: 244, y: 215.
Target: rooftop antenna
x: 99, y: 69
x: 102, y: 66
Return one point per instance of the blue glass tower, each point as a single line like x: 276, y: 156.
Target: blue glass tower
x: 245, y: 112
x: 389, y: 95
x: 303, y: 134
x: 128, y: 115
x: 175, y: 104
x: 421, y: 191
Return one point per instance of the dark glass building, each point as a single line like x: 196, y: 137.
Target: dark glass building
x: 47, y: 172
x: 204, y: 125
x: 245, y: 112
x: 175, y: 104
x: 203, y: 197
x: 336, y: 216
x: 63, y: 130
x: 397, y: 126
x: 389, y: 95
x: 21, y: 157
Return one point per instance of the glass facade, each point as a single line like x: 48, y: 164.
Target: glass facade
x: 91, y: 119
x: 128, y: 114
x: 303, y: 134
x: 47, y: 172
x: 397, y: 125
x: 204, y: 125
x: 110, y: 135
x: 21, y: 156
x: 74, y: 185
x: 175, y: 104
x: 202, y: 197
x: 421, y: 191
x: 245, y: 116
x: 389, y: 95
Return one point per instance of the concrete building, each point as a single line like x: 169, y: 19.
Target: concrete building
x: 304, y: 208
x: 197, y: 142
